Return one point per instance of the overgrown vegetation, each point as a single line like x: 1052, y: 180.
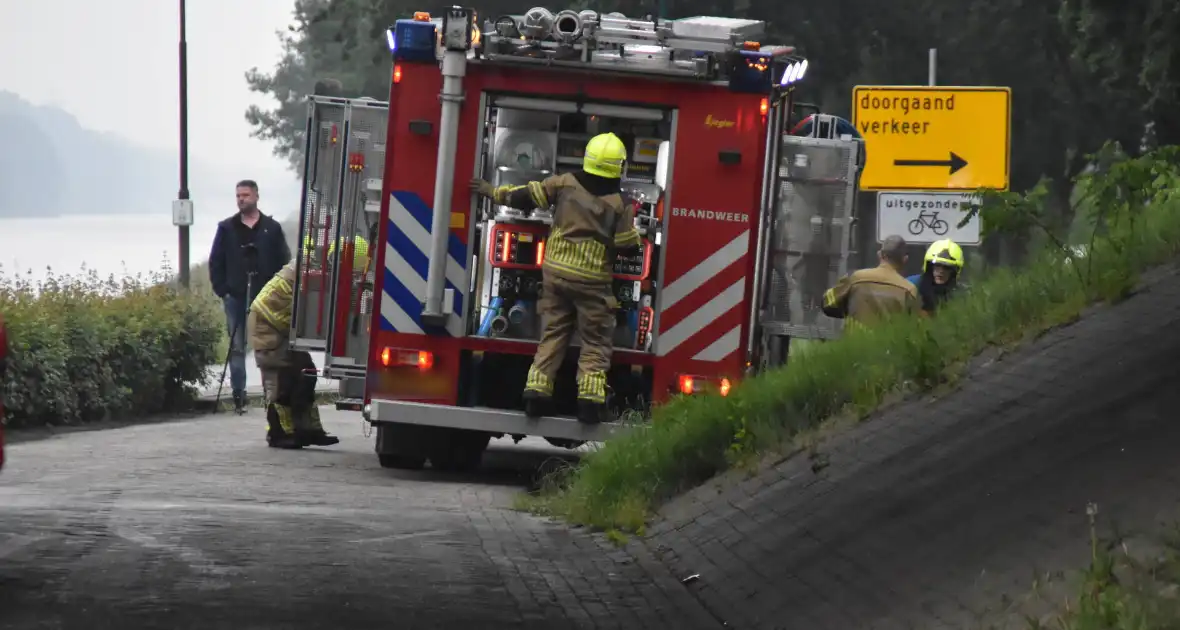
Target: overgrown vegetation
x: 1135, y: 207
x: 1129, y: 584
x: 84, y: 348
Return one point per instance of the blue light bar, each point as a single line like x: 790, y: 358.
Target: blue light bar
x: 752, y: 73
x: 412, y: 40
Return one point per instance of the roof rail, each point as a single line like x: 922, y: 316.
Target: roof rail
x: 702, y: 48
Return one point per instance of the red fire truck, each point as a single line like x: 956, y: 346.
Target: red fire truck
x: 432, y: 333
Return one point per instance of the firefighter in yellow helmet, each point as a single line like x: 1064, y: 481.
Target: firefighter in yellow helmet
x: 288, y: 376
x: 360, y: 252
x: 940, y: 274
x: 591, y: 223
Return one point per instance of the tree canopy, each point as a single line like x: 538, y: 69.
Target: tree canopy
x: 1081, y: 71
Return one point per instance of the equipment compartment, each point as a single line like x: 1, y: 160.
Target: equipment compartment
x: 531, y: 141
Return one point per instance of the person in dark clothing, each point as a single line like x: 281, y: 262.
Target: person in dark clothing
x: 940, y: 274
x: 249, y: 246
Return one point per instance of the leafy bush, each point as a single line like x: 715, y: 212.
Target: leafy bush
x: 83, y: 348
x: 1137, y: 214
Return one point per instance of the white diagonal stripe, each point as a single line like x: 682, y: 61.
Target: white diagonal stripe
x: 703, y: 316
x: 416, y: 285
x: 721, y: 348
x: 420, y: 238
x: 401, y: 269
x: 704, y: 270
x: 398, y: 318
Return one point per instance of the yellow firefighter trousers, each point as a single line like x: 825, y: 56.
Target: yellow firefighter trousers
x: 565, y: 305
x: 276, y: 366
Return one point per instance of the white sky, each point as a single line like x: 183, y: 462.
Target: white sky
x: 113, y: 65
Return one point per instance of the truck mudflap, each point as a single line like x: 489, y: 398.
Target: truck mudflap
x: 490, y: 420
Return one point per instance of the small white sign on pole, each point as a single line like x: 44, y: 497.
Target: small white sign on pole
x: 182, y: 212
x: 925, y: 217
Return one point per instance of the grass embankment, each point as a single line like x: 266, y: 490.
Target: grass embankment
x: 84, y: 348
x: 691, y: 439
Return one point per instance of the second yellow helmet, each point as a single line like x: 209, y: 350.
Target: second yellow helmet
x: 605, y: 154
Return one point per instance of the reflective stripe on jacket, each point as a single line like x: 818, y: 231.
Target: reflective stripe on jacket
x: 587, y: 229
x: 273, y: 304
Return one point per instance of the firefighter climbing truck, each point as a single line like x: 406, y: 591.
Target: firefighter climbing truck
x: 744, y: 226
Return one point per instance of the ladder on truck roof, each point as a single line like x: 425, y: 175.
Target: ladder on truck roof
x: 701, y: 48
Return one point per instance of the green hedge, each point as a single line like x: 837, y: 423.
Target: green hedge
x: 1135, y: 205
x: 84, y: 348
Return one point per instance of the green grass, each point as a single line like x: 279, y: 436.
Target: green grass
x: 690, y: 439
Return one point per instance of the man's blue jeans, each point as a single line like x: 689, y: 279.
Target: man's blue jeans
x: 235, y: 321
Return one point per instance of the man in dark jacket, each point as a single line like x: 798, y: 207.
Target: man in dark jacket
x: 249, y: 249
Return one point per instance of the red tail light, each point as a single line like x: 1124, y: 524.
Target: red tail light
x: 422, y: 359
x: 689, y: 384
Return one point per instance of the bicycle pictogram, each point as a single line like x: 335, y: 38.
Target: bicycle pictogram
x: 929, y: 220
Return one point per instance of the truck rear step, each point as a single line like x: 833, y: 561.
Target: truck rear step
x: 491, y: 420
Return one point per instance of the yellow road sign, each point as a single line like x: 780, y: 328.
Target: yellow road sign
x: 934, y: 138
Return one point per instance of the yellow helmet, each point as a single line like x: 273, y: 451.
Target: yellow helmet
x: 604, y: 157
x: 944, y: 252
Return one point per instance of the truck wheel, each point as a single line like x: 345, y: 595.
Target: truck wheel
x: 403, y: 462
x: 402, y: 445
x: 564, y: 443
x: 458, y: 450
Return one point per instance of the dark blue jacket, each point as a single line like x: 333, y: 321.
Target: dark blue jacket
x: 227, y: 261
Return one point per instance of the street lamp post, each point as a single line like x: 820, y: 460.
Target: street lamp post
x: 182, y: 208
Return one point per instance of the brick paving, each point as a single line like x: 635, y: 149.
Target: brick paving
x: 933, y: 513
x: 196, y: 524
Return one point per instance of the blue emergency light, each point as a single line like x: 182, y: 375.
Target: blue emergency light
x: 412, y: 40
x: 752, y: 72
x: 793, y: 73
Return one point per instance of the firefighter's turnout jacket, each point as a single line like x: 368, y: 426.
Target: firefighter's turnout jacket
x: 270, y: 313
x: 589, y: 225
x: 866, y: 295
x: 287, y: 376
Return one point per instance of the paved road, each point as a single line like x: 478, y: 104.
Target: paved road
x: 196, y: 524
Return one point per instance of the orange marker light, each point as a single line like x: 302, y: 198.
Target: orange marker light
x: 764, y: 106
x: 724, y: 387
x: 686, y: 384
x: 421, y: 16
x: 425, y: 360
x: 397, y: 73
x: 386, y: 356
x: 540, y: 252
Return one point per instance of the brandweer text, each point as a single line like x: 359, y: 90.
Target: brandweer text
x: 709, y: 215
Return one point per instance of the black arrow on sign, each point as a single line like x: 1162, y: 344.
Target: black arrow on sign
x: 955, y: 163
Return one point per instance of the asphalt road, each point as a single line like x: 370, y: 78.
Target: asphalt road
x: 197, y: 524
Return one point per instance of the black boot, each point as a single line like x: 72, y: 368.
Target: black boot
x: 591, y: 412
x: 276, y: 437
x: 315, y: 437
x: 283, y: 440
x: 536, y: 404
x: 240, y: 402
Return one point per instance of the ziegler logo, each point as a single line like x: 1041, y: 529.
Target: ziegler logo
x: 717, y: 123
x: 709, y: 215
